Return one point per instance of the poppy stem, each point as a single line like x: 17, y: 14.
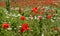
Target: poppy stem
x: 40, y: 27
x: 8, y: 5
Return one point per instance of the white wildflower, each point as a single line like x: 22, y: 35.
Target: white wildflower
x: 14, y: 15
x: 7, y: 17
x: 31, y: 18
x: 15, y: 28
x: 12, y: 8
x: 6, y: 12
x: 9, y: 28
x: 42, y: 34
x: 52, y: 20
x: 35, y: 17
x: 18, y: 15
x: 56, y: 14
x: 27, y: 18
x: 19, y: 26
x: 17, y: 8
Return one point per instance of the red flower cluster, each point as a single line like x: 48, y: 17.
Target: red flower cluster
x: 51, y: 2
x: 23, y: 18
x: 49, y: 16
x: 35, y: 10
x: 5, y: 25
x: 46, y: 2
x: 24, y: 27
x: 0, y: 2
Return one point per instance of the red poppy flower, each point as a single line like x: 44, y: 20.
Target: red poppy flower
x: 22, y: 18
x: 0, y: 3
x: 46, y: 3
x: 49, y: 16
x: 35, y: 10
x: 24, y: 27
x: 5, y: 25
x: 51, y: 2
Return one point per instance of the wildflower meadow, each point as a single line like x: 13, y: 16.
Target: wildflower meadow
x: 39, y: 18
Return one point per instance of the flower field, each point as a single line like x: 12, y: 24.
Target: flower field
x: 41, y: 19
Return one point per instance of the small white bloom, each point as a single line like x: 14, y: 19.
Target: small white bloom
x: 46, y: 7
x: 12, y: 8
x: 19, y: 26
x: 15, y: 28
x: 14, y: 15
x: 17, y: 8
x: 31, y: 18
x: 42, y: 34
x: 56, y: 31
x: 54, y: 17
x: 7, y: 17
x: 19, y: 15
x: 56, y: 14
x: 52, y: 20
x: 27, y: 18
x: 6, y: 12
x: 9, y: 28
x: 35, y: 17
